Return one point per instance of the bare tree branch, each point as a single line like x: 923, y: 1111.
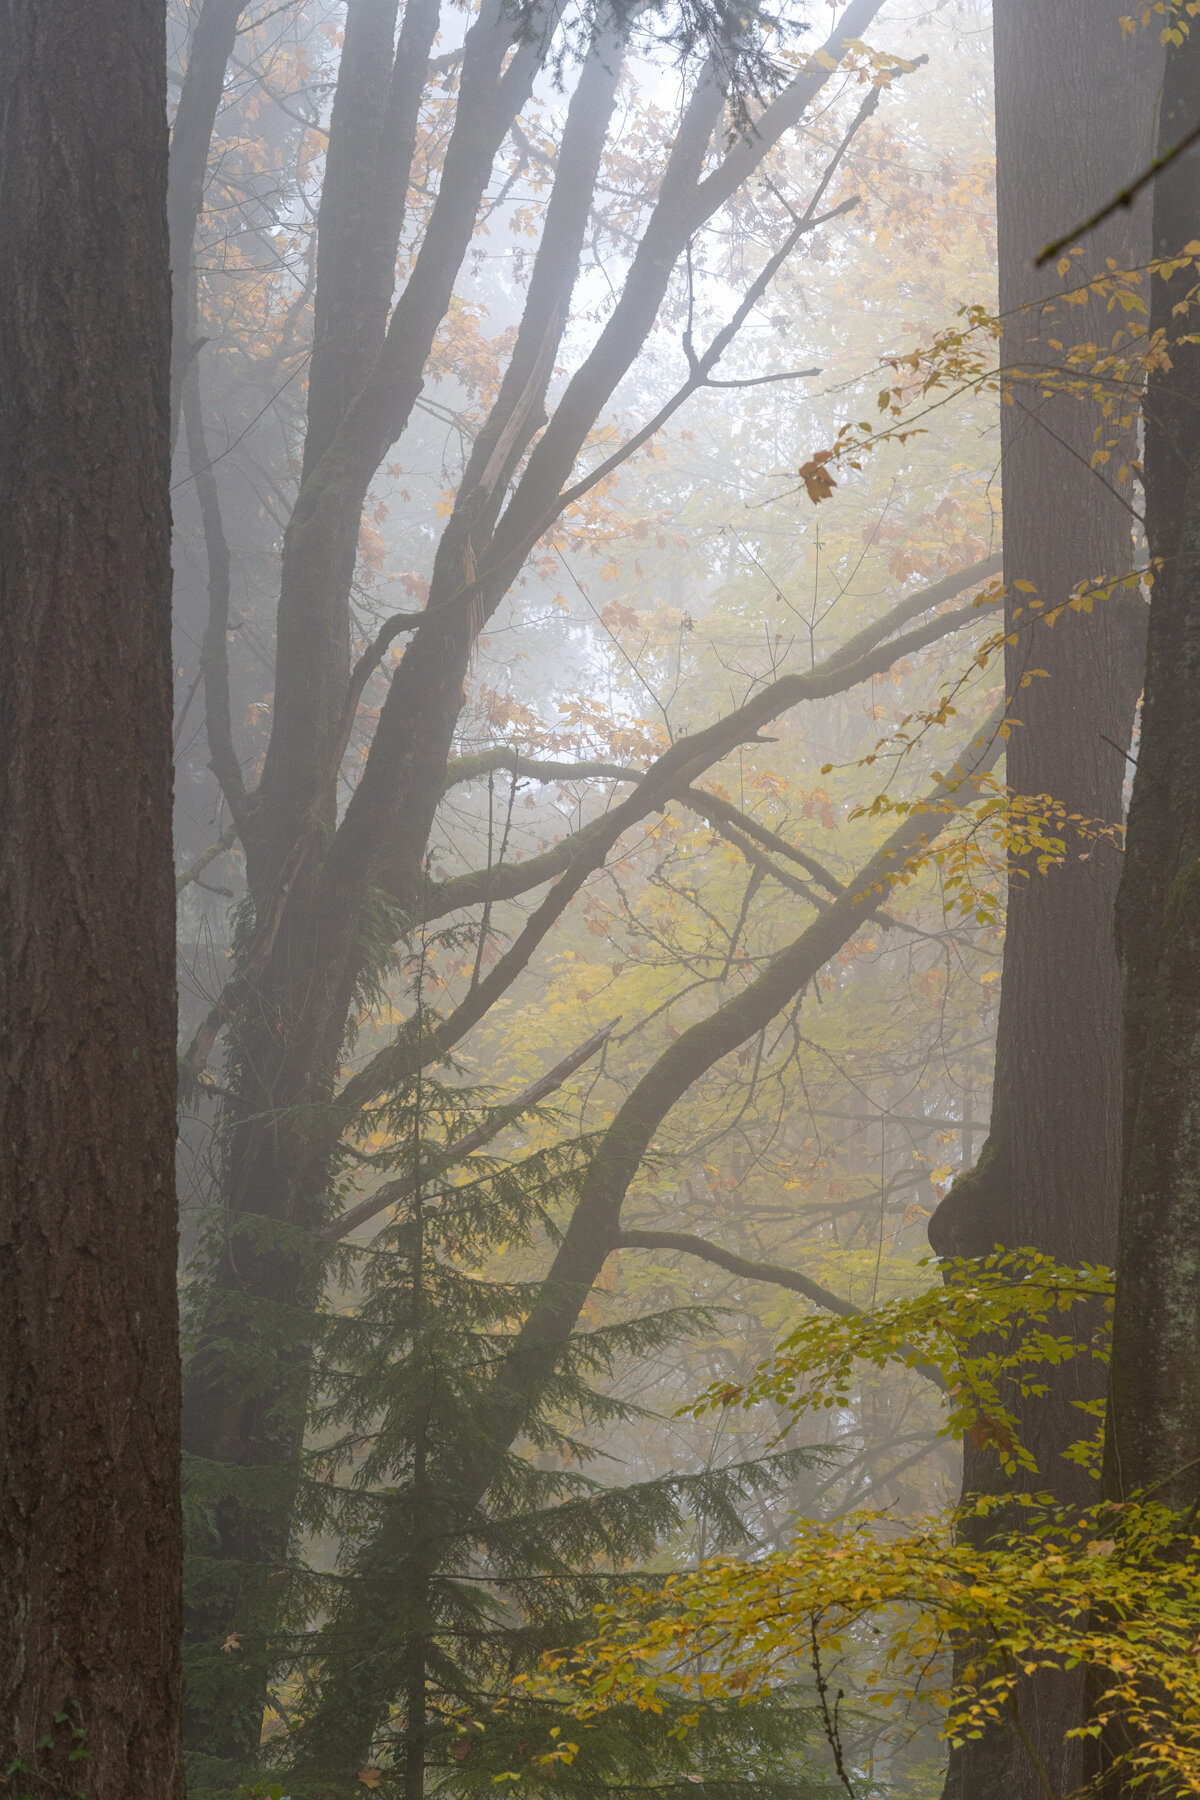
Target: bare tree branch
x: 372, y: 140
x: 1124, y: 197
x: 214, y: 651
x: 198, y: 865
x: 719, y: 811
x: 200, y: 97
x: 507, y: 881
x: 595, y: 1224
x: 720, y: 815
x: 688, y: 1245
x: 697, y: 801
x: 444, y: 1157
x: 532, y: 768
x: 673, y: 772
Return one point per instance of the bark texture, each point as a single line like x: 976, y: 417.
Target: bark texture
x: 1154, y: 1418
x: 1153, y: 1432
x: 1060, y: 148
x: 1049, y: 1173
x: 90, y: 1541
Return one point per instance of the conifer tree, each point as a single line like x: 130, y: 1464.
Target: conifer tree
x: 438, y: 1611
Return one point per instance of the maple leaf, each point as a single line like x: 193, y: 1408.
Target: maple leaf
x: 370, y: 1776
x: 816, y: 477
x: 233, y: 1643
x: 987, y: 1430
x: 619, y: 617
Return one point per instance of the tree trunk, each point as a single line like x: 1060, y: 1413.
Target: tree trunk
x: 1154, y: 1418
x: 200, y: 97
x: 1048, y: 1175
x: 89, y: 1517
x: 1152, y: 1441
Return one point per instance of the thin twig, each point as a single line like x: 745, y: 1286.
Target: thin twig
x: 196, y: 868
x: 832, y: 1734
x: 1125, y: 197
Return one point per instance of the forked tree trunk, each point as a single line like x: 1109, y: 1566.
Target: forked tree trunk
x: 1048, y: 1175
x: 89, y: 1379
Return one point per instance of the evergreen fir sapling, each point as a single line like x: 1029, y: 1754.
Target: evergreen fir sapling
x: 439, y: 1605
x: 261, y: 1338
x: 432, y: 1603
x: 235, y: 1563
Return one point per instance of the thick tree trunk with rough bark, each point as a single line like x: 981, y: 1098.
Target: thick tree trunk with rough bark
x: 1152, y: 1441
x: 1048, y: 1175
x: 1154, y: 1418
x: 89, y: 1377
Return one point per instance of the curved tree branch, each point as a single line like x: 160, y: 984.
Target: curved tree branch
x: 595, y: 1224
x: 674, y: 771
x: 509, y: 880
x: 198, y: 864
x: 684, y: 1242
x: 696, y: 801
x: 688, y: 1245
x: 743, y: 840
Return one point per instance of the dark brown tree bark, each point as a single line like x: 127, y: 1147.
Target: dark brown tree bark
x: 1153, y: 1438
x: 1048, y: 1175
x: 90, y: 1541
